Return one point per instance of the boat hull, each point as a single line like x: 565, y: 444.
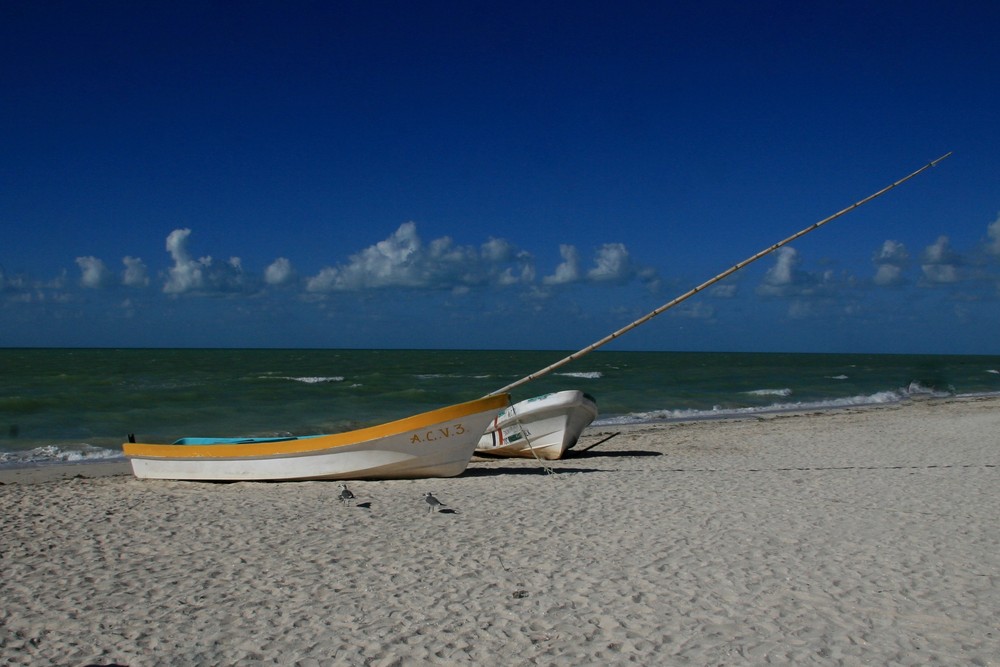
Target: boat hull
x: 439, y: 443
x: 542, y: 427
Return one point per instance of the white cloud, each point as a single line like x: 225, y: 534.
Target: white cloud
x: 279, y: 272
x: 887, y: 275
x: 403, y: 260
x: 387, y: 263
x: 526, y: 275
x: 569, y: 270
x: 785, y: 279
x: 940, y: 264
x: 186, y: 274
x: 892, y: 251
x: 327, y: 280
x: 782, y: 273
x: 780, y: 277
x: 135, y: 274
x: 521, y: 266
x: 612, y: 264
x: 93, y: 273
x: 201, y: 275
x: 890, y: 261
x: 939, y: 252
x: 497, y: 250
x: 940, y: 274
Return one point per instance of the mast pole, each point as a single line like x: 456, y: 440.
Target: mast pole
x: 708, y: 283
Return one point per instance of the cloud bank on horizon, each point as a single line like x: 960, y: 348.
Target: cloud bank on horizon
x: 404, y: 261
x: 405, y: 264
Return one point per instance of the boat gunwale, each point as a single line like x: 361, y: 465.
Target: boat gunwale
x: 306, y: 445
x: 531, y: 406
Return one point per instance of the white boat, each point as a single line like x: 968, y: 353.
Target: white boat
x: 542, y: 427
x: 439, y: 443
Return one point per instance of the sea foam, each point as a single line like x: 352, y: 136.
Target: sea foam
x: 318, y: 379
x: 717, y: 412
x: 770, y: 392
x: 56, y: 454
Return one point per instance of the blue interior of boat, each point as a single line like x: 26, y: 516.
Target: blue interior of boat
x: 238, y: 441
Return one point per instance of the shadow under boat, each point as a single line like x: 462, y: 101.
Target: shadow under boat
x: 525, y: 470
x: 593, y: 454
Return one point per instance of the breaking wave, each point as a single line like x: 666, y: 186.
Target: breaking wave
x: 717, y: 412
x: 769, y: 392
x: 56, y: 454
x: 318, y: 379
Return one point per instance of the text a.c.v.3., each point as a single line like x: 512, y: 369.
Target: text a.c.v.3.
x: 438, y: 433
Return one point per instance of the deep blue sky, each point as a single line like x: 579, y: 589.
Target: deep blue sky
x: 498, y: 175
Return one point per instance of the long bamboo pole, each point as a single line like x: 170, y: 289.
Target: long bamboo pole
x: 708, y: 283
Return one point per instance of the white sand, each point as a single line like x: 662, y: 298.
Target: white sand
x: 853, y: 537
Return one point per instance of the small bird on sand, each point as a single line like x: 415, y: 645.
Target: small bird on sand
x: 345, y: 494
x: 433, y: 504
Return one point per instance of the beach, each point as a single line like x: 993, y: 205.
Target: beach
x: 856, y: 536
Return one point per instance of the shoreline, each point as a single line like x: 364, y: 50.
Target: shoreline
x: 49, y: 471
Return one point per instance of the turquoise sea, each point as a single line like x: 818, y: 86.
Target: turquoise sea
x: 75, y: 404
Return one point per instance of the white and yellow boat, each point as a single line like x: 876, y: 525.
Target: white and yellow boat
x: 542, y: 427
x: 439, y: 443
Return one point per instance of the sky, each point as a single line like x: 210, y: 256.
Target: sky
x: 499, y: 175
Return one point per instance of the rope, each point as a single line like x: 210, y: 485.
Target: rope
x: 524, y: 434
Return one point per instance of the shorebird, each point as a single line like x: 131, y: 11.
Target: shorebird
x: 433, y: 504
x: 345, y: 494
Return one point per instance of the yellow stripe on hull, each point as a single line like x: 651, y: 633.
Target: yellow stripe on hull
x: 432, y: 444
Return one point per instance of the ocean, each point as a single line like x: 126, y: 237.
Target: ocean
x: 59, y: 405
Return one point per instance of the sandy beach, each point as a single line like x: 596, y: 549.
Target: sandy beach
x: 844, y: 537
